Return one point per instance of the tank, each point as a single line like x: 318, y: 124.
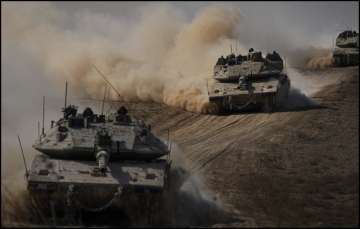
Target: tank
x: 248, y: 82
x: 346, y: 52
x: 90, y: 162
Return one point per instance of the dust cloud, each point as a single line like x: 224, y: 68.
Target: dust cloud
x: 305, y: 83
x: 192, y: 203
x: 161, y: 58
x: 311, y: 58
x: 320, y: 62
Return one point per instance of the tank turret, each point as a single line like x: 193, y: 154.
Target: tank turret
x: 87, y: 159
x: 248, y: 81
x: 346, y: 52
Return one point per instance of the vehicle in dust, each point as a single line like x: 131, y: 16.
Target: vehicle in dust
x: 90, y: 161
x: 249, y: 81
x: 346, y: 52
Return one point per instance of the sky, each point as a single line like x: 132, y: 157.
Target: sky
x: 309, y: 17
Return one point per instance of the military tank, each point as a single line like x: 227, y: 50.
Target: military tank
x: 92, y: 161
x: 247, y: 82
x: 346, y: 52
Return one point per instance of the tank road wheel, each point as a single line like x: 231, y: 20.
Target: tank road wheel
x: 337, y: 61
x: 42, y: 203
x: 282, y: 95
x: 221, y: 105
x: 144, y: 209
x: 269, y: 103
x: 224, y: 105
x: 227, y: 105
x: 156, y: 207
x: 288, y: 86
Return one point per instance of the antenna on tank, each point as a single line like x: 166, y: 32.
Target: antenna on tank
x: 102, y: 105
x: 236, y: 47
x: 207, y: 85
x: 66, y: 87
x: 38, y: 125
x: 108, y: 95
x: 106, y: 80
x: 22, y: 153
x: 43, y: 118
x: 230, y: 49
x: 169, y: 144
x: 168, y: 138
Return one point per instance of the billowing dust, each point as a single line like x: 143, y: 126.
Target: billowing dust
x: 305, y: 84
x: 311, y: 58
x: 163, y: 58
x: 321, y: 62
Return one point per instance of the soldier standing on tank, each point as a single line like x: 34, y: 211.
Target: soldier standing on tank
x: 122, y: 115
x: 221, y: 61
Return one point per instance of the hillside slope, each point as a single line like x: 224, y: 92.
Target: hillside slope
x: 290, y: 168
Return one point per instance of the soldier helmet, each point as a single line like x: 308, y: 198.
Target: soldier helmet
x: 122, y: 111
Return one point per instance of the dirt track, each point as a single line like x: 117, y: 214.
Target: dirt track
x: 290, y: 168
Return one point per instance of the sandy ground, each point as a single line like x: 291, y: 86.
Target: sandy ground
x: 297, y: 167
x: 290, y: 168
